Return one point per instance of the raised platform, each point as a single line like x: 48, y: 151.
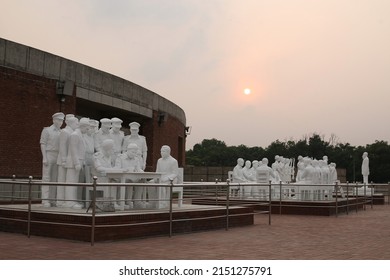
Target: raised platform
x: 76, y: 224
x: 295, y: 207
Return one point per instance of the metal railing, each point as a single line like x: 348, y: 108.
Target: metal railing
x: 27, y: 191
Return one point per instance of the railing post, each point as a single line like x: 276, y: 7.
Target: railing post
x: 270, y: 202
x: 372, y: 195
x: 364, y: 196
x: 227, y: 203
x: 170, y: 207
x: 29, y: 206
x: 93, y: 202
x: 356, y: 197
x: 336, y: 187
x: 216, y: 192
x: 347, y: 197
x: 13, y: 188
x: 280, y: 197
x: 388, y: 193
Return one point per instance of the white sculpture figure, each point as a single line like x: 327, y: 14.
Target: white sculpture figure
x: 316, y: 179
x: 71, y: 124
x: 255, y: 165
x: 365, y: 167
x: 103, y: 161
x: 49, y: 143
x: 324, y: 172
x: 300, y: 167
x: 264, y: 174
x: 75, y: 162
x: 117, y: 135
x: 140, y: 140
x: 238, y: 175
x: 94, y: 126
x: 276, y: 169
x: 168, y: 166
x: 332, y: 173
x: 247, y: 173
x: 103, y: 133
x: 325, y: 158
x: 129, y: 162
x: 89, y: 141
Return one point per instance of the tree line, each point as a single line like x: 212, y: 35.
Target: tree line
x: 213, y: 152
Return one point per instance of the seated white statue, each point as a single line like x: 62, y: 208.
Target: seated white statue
x: 169, y: 168
x: 103, y: 161
x: 129, y: 162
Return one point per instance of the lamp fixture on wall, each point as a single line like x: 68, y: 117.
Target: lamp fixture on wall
x: 187, y: 130
x: 161, y: 118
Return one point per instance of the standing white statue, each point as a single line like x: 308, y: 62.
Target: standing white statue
x: 129, y: 162
x: 300, y: 167
x: 49, y: 143
x: 89, y: 141
x: 103, y: 133
x: 117, y: 135
x: 365, y: 167
x: 139, y: 140
x: 75, y: 162
x: 238, y: 172
x: 168, y: 166
x: 71, y: 124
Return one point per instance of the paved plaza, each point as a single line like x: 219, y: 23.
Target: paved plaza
x: 364, y: 235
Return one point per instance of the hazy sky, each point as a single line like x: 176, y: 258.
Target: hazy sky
x: 318, y: 66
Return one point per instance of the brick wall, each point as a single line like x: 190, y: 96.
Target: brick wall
x: 27, y: 104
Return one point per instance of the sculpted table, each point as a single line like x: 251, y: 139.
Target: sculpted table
x: 133, y: 176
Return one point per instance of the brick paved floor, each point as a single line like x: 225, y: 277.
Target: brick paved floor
x: 363, y: 235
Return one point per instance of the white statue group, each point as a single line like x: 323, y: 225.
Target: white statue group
x: 81, y: 150
x: 309, y: 172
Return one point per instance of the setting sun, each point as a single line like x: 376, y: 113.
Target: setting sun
x: 247, y: 91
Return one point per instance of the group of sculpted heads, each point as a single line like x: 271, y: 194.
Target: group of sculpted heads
x: 70, y: 154
x: 309, y: 170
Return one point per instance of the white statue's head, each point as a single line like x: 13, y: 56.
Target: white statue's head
x: 72, y: 122
x: 248, y: 164
x: 105, y: 124
x: 165, y: 151
x: 132, y: 150
x: 365, y: 154
x: 240, y: 161
x: 94, y: 126
x: 84, y: 125
x: 116, y: 124
x: 264, y: 161
x: 134, y: 128
x: 58, y: 119
x: 255, y: 163
x: 108, y: 147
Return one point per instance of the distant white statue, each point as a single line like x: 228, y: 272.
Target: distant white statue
x: 247, y: 173
x: 255, y: 165
x: 264, y: 174
x: 365, y: 167
x: 300, y: 168
x: 139, y: 140
x: 71, y: 124
x: 168, y: 166
x: 238, y: 172
x: 74, y: 163
x: 276, y: 169
x: 49, y: 143
x: 89, y: 141
x: 325, y: 173
x: 117, y: 135
x: 129, y: 162
x: 332, y: 173
x: 103, y: 133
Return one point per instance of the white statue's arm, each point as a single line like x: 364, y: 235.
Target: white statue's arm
x: 63, y: 147
x: 73, y: 151
x: 44, y: 157
x: 44, y: 136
